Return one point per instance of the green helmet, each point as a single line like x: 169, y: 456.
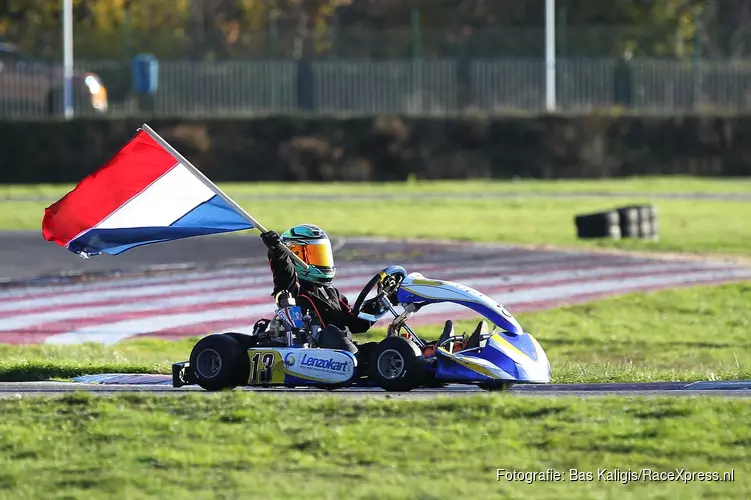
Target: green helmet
x: 313, y: 246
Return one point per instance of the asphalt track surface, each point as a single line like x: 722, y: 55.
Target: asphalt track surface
x: 26, y: 256
x: 227, y: 286
x: 32, y: 268
x: 679, y: 389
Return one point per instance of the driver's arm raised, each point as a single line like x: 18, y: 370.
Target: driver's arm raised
x: 284, y: 274
x: 282, y: 267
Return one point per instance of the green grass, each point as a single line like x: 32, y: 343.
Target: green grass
x: 685, y: 225
x: 241, y: 445
x: 697, y: 333
x: 260, y: 446
x: 666, y: 184
x: 655, y: 185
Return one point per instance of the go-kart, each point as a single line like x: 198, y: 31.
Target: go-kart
x: 285, y: 351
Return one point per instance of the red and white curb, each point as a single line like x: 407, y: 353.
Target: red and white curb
x: 234, y: 298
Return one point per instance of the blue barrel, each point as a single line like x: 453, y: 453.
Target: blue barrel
x: 145, y: 70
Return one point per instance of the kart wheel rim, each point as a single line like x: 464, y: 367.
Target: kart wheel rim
x: 208, y: 363
x: 390, y: 364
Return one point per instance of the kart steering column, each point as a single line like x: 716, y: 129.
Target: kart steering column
x: 417, y: 340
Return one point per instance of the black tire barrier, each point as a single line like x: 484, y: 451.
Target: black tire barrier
x: 598, y: 225
x: 639, y: 221
x: 632, y: 221
x: 628, y: 221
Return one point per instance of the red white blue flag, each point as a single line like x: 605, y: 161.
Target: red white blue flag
x: 144, y: 194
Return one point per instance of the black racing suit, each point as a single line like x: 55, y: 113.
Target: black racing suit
x: 324, y: 303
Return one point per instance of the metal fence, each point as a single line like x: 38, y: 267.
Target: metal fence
x: 420, y: 87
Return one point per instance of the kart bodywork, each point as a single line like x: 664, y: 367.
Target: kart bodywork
x: 289, y: 356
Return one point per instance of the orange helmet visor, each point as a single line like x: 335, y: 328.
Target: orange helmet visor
x: 315, y: 254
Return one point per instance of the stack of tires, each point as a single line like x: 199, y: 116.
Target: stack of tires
x: 632, y: 221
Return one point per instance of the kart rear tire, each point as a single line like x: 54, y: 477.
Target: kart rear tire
x: 219, y: 362
x: 396, y: 365
x: 246, y: 341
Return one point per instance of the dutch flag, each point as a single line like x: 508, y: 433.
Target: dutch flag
x: 147, y: 193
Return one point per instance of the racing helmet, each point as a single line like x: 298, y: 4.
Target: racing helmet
x: 312, y: 245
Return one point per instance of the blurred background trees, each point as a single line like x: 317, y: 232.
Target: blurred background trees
x: 222, y: 29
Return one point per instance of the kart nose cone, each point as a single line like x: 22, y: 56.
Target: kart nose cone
x: 539, y: 373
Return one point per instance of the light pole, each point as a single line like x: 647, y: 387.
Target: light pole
x: 550, y: 104
x: 68, y: 57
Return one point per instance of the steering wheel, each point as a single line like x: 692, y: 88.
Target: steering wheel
x: 387, y: 280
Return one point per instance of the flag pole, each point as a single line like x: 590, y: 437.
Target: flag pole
x: 184, y: 161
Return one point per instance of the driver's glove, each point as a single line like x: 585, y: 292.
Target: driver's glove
x: 284, y: 299
x: 271, y: 239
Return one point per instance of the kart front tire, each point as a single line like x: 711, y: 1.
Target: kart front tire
x: 396, y: 365
x: 219, y: 362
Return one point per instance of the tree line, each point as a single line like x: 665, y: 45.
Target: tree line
x: 222, y: 29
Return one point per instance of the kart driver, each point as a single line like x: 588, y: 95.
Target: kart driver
x: 312, y: 289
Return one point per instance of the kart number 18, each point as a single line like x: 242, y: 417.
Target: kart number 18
x: 267, y: 360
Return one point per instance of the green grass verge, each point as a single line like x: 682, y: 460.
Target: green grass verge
x: 686, y: 225
x: 261, y: 446
x: 661, y: 184
x: 697, y: 333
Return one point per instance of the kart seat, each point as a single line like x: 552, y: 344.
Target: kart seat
x: 473, y: 342
x: 448, y: 331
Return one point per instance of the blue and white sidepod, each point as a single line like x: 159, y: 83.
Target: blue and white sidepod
x: 508, y: 354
